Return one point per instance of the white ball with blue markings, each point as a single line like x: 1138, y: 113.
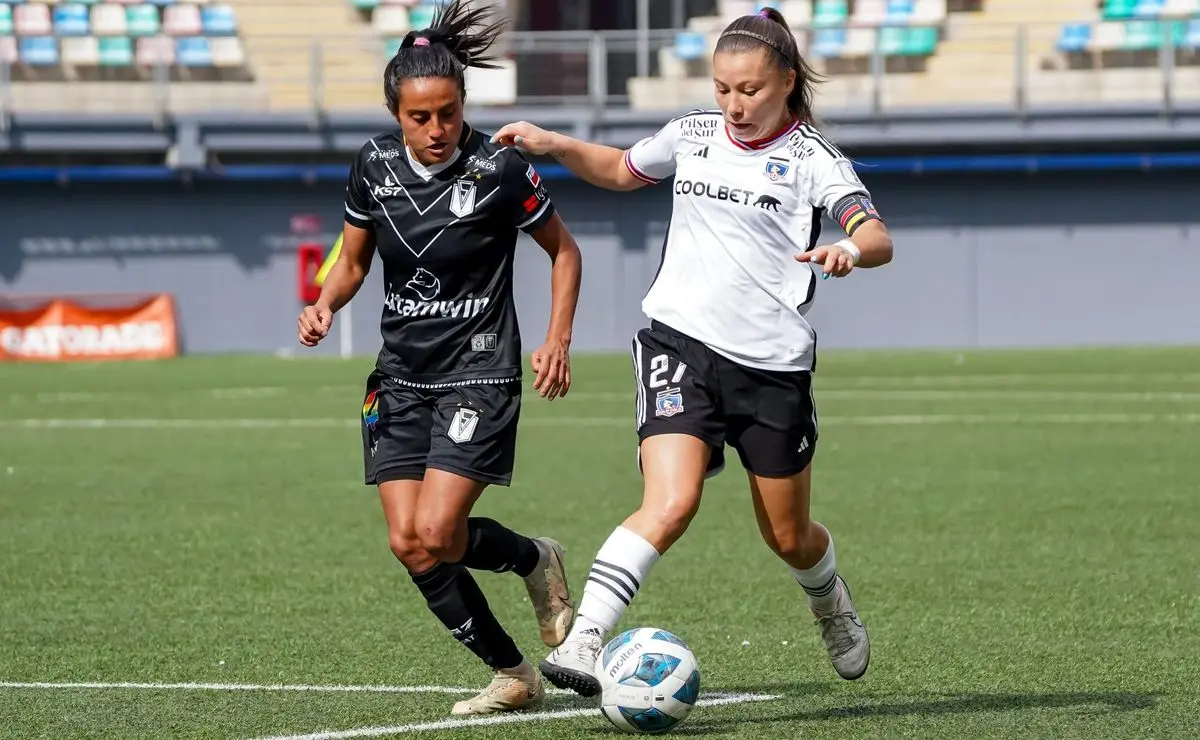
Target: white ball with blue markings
x: 649, y: 680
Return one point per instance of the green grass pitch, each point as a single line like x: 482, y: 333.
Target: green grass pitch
x: 1021, y: 531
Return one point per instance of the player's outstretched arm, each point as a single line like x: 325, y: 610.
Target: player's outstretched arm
x: 602, y: 166
x: 552, y: 361
x: 870, y: 246
x: 343, y: 281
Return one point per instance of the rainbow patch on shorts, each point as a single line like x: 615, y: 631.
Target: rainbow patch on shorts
x: 371, y: 410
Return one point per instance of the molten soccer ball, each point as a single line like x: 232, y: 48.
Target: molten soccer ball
x: 649, y: 680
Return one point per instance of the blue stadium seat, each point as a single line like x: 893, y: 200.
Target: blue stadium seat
x: 71, y: 20
x: 829, y: 42
x: 38, y: 50
x: 193, y: 51
x: 689, y: 46
x: 899, y: 11
x: 218, y: 20
x: 1149, y: 8
x: 1074, y: 37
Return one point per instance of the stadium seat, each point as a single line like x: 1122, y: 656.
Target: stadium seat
x: 193, y: 51
x: 690, y: 46
x: 162, y: 2
x: 421, y: 16
x: 116, y: 51
x: 6, y: 21
x: 71, y: 20
x: 860, y: 42
x: 364, y: 4
x: 1181, y: 8
x: 869, y: 13
x: 152, y: 50
x: 109, y: 20
x: 1148, y: 8
x: 32, y: 20
x: 38, y: 50
x: 1074, y: 38
x: 1108, y: 35
x: 142, y: 20
x: 8, y: 49
x: 82, y: 52
x: 829, y: 42
x: 1118, y: 9
x: 831, y: 12
x: 391, y: 20
x: 899, y: 11
x: 218, y: 20
x: 182, y: 20
x: 798, y: 13
x: 730, y: 10
x: 1148, y: 35
x: 930, y: 12
x: 227, y: 51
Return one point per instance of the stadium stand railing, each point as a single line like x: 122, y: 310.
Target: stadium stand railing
x: 877, y: 56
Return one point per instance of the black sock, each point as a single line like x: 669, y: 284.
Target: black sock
x: 493, y: 546
x: 455, y: 598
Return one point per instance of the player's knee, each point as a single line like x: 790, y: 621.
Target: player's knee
x: 670, y: 519
x: 442, y: 540
x: 409, y: 551
x: 794, y: 540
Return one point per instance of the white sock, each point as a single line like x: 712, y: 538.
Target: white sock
x: 820, y: 581
x: 617, y: 573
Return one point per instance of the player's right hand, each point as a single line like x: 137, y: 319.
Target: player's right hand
x: 525, y: 136
x: 314, y: 324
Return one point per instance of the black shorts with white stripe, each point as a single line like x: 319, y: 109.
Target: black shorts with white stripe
x: 684, y: 387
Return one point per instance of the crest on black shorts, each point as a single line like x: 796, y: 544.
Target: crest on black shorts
x: 668, y: 402
x: 462, y: 426
x: 371, y: 410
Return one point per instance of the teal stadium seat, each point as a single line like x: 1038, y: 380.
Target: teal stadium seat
x: 6, y: 21
x: 831, y: 12
x: 142, y: 20
x: 116, y: 51
x: 1116, y: 10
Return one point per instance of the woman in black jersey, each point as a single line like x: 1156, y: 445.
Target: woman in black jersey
x: 443, y: 207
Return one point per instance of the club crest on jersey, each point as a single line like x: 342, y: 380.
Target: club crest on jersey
x: 668, y: 402
x: 462, y: 198
x: 534, y: 178
x: 777, y: 170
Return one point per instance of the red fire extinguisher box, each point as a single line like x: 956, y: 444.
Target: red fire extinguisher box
x: 309, y: 258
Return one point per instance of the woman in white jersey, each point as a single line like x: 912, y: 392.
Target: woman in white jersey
x: 728, y: 357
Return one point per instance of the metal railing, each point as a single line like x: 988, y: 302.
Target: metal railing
x: 1013, y: 67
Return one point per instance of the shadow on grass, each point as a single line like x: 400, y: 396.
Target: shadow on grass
x: 1112, y: 701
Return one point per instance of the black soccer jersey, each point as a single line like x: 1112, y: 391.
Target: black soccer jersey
x: 446, y: 236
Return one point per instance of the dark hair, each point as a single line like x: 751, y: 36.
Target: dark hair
x: 768, y: 30
x: 445, y: 49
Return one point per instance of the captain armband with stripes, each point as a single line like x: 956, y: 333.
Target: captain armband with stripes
x: 853, y: 211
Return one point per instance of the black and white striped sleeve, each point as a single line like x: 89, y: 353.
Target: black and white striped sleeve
x: 358, y: 198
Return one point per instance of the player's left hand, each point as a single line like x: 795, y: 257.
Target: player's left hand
x: 552, y: 363
x: 836, y: 261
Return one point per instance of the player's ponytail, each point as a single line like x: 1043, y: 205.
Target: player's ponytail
x: 445, y: 49
x: 770, y: 31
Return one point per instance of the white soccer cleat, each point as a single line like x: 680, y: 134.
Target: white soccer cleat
x: 573, y: 665
x: 845, y: 636
x: 509, y: 691
x: 548, y: 590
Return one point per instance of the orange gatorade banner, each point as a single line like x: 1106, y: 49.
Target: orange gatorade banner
x: 65, y: 331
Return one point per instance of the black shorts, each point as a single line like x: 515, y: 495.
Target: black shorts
x: 469, y: 430
x: 684, y: 387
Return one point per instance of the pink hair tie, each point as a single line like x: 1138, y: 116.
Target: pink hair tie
x: 420, y: 41
x: 764, y: 12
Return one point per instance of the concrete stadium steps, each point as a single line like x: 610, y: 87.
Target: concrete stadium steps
x: 114, y: 98
x: 976, y: 60
x: 280, y: 39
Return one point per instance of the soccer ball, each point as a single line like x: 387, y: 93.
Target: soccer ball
x: 649, y: 680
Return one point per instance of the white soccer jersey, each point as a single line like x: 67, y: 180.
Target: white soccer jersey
x: 741, y: 213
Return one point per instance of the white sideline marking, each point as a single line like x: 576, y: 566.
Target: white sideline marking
x: 352, y: 689
x: 604, y: 421
x: 713, y: 700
